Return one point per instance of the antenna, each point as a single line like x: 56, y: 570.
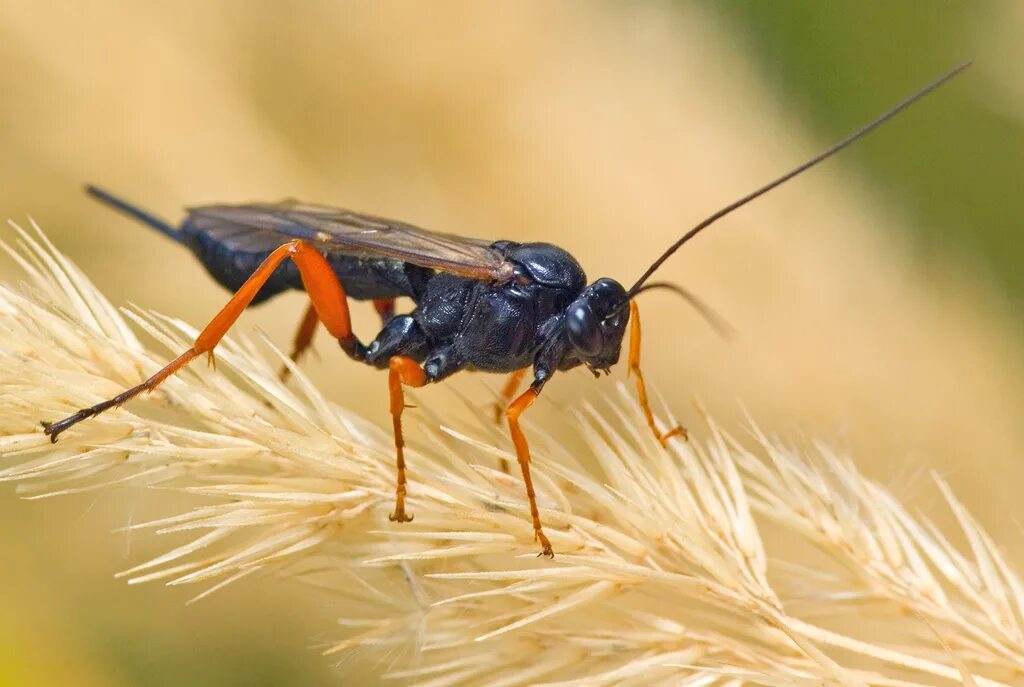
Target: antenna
x: 737, y: 204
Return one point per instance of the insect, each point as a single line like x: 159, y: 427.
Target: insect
x: 494, y: 306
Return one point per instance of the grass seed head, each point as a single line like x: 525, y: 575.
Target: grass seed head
x: 663, y: 573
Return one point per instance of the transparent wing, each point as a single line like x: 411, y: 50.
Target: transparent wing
x: 257, y: 226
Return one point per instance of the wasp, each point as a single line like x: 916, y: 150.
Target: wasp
x: 491, y: 306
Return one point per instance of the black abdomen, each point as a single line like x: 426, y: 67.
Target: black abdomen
x: 232, y: 259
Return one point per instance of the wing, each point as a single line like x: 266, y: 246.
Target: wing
x: 344, y: 232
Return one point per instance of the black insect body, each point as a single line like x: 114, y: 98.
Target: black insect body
x: 461, y: 323
x: 479, y: 305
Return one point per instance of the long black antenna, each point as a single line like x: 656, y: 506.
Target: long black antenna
x: 717, y: 322
x: 792, y: 173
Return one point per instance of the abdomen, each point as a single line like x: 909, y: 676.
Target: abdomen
x: 231, y: 258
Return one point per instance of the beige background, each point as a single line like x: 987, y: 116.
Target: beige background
x: 606, y: 129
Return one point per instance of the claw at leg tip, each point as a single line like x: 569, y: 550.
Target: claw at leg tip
x: 49, y: 431
x: 546, y: 551
x: 677, y: 431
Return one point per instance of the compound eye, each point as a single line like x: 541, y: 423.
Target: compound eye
x: 584, y: 331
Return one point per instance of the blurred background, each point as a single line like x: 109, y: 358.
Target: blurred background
x: 877, y: 300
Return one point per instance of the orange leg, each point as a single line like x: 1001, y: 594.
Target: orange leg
x: 303, y: 340
x: 320, y: 282
x: 516, y: 409
x: 401, y: 370
x: 508, y: 392
x: 385, y: 307
x: 307, y: 328
x: 641, y: 388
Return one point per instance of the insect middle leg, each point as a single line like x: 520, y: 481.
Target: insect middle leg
x: 517, y: 408
x: 641, y: 388
x: 397, y: 348
x: 320, y: 282
x: 508, y: 392
x: 402, y: 370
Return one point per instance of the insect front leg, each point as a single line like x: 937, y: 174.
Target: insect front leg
x: 641, y: 388
x: 320, y: 282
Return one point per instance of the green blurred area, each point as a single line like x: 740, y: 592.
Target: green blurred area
x: 953, y: 164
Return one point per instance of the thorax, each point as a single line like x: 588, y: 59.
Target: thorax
x: 500, y: 327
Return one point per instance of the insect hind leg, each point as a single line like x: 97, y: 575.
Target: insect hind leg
x: 385, y: 307
x: 322, y: 285
x: 308, y: 326
x: 302, y: 341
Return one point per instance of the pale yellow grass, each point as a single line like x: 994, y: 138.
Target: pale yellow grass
x: 662, y: 575
x: 562, y: 122
x: 606, y: 132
